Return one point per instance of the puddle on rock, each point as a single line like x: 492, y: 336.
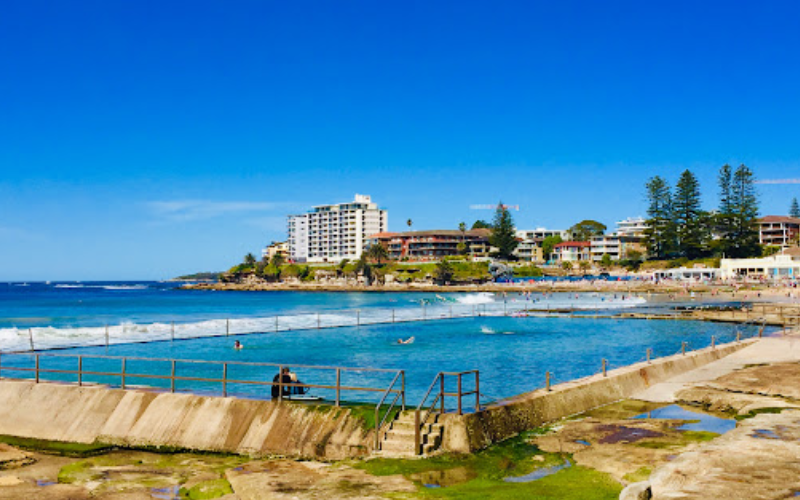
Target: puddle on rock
x: 168, y: 493
x: 764, y: 434
x: 446, y: 477
x: 45, y: 482
x: 539, y: 473
x: 581, y: 441
x: 700, y: 421
x: 622, y: 434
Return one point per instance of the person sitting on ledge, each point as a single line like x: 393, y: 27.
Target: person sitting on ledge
x: 282, y: 377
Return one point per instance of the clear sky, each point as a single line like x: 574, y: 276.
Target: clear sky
x: 146, y: 139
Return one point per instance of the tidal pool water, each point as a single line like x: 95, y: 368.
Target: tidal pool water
x: 511, y: 353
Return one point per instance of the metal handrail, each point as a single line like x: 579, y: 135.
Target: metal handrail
x: 123, y: 374
x: 379, y: 423
x: 420, y: 422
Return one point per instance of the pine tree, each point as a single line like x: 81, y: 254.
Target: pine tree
x: 744, y: 204
x: 723, y: 220
x: 690, y: 220
x: 659, y: 236
x: 503, y: 236
x: 794, y: 210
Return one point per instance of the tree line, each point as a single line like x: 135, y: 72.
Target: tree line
x: 678, y: 227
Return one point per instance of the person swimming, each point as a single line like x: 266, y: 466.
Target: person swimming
x: 409, y: 340
x: 238, y: 345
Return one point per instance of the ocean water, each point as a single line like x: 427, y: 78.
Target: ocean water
x: 74, y: 314
x: 511, y: 352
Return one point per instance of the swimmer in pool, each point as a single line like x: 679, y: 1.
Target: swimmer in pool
x: 237, y: 345
x: 409, y: 340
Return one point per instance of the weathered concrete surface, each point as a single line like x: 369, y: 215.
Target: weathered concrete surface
x: 760, y: 459
x: 137, y: 418
x: 769, y: 350
x: 528, y: 411
x: 288, y: 480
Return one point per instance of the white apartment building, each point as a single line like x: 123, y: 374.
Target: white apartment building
x: 330, y: 233
x: 632, y: 226
x: 628, y: 237
x: 541, y: 233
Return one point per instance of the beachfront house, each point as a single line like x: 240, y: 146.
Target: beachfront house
x: 778, y: 230
x: 571, y: 251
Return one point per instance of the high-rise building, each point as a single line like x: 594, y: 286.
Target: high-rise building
x: 330, y: 233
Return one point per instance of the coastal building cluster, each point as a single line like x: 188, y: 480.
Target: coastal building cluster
x: 335, y: 232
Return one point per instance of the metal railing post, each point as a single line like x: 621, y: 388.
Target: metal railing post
x: 477, y: 391
x: 441, y: 392
x: 317, y: 321
x: 451, y: 312
x: 338, y: 385
x: 172, y: 378
x: 403, y: 388
x: 123, y: 372
x: 80, y: 371
x: 227, y: 327
x: 505, y: 308
x: 37, y: 368
x: 224, y: 380
x: 30, y: 337
x: 417, y: 434
x: 738, y: 336
x: 392, y: 315
x: 547, y: 381
x: 459, y: 394
x: 172, y: 331
x: 424, y: 312
x: 649, y: 354
x: 358, y: 316
x: 106, y: 336
x: 713, y: 342
x: 605, y: 367
x: 276, y: 323
x: 280, y: 385
x: 683, y: 348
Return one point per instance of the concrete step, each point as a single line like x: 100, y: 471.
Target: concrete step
x: 410, y: 425
x: 397, y: 447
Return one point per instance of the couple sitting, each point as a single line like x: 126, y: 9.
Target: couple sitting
x: 286, y: 376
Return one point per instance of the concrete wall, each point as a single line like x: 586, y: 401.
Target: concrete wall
x: 138, y: 418
x: 510, y: 417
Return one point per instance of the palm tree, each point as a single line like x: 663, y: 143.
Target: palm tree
x: 462, y: 226
x: 250, y: 260
x: 566, y: 266
x: 585, y: 265
x: 377, y: 252
x: 408, y: 223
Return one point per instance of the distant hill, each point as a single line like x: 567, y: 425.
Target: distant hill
x: 204, y: 276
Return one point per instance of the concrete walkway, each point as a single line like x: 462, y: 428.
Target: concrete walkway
x: 767, y: 350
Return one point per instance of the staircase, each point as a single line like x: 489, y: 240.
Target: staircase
x: 398, y: 440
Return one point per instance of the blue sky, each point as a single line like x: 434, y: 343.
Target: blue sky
x: 142, y: 140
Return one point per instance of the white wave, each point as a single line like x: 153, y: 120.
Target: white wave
x: 14, y: 339
x: 124, y: 287
x: 70, y: 286
x: 476, y: 298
